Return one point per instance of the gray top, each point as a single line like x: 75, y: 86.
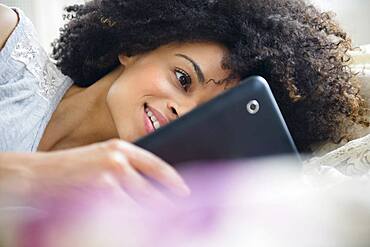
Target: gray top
x: 31, y: 87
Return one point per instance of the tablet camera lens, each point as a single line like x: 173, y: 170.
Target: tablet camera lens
x: 253, y: 106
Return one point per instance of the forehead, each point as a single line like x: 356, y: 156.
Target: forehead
x: 208, y: 55
x: 199, y: 51
x: 197, y: 47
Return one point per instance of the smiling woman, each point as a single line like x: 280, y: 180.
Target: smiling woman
x: 122, y: 69
x: 170, y: 81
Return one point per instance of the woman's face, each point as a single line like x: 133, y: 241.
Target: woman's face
x: 165, y: 83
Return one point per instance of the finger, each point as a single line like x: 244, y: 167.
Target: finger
x: 117, y: 193
x: 154, y: 167
x: 138, y: 187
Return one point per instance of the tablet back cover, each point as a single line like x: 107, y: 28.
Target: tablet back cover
x: 223, y: 128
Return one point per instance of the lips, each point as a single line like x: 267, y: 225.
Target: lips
x: 158, y: 115
x: 148, y: 124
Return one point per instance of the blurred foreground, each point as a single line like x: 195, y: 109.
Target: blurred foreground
x: 267, y: 202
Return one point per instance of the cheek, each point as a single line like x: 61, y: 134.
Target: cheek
x: 134, y: 88
x: 155, y: 81
x: 122, y: 99
x: 129, y: 87
x: 126, y: 109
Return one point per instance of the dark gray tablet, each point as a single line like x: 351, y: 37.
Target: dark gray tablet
x: 243, y: 122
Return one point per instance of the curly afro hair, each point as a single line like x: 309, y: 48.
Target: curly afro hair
x: 300, y: 51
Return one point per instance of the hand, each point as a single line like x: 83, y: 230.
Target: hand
x: 115, y: 165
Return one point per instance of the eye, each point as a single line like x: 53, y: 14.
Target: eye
x: 183, y: 78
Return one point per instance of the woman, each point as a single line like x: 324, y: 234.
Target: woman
x: 122, y: 60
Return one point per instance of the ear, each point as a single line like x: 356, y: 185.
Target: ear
x: 126, y: 60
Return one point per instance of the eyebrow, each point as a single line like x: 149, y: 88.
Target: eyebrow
x: 197, y: 69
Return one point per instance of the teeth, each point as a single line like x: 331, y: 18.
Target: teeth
x: 154, y: 120
x: 156, y: 125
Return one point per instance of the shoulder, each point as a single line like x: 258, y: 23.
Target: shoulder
x: 8, y: 22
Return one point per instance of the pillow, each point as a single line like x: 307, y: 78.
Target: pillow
x: 352, y: 159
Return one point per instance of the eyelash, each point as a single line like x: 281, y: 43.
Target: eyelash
x: 188, y: 79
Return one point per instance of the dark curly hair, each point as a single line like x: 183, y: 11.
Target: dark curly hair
x: 300, y: 51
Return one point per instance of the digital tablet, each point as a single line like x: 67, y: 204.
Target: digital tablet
x: 243, y: 122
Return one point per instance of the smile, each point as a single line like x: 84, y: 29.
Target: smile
x: 153, y: 119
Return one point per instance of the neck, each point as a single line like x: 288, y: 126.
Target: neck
x: 82, y: 117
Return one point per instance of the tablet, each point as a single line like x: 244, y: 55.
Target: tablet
x: 243, y: 122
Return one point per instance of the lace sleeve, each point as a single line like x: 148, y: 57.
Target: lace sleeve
x: 24, y: 59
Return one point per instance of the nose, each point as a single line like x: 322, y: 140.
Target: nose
x: 180, y: 110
